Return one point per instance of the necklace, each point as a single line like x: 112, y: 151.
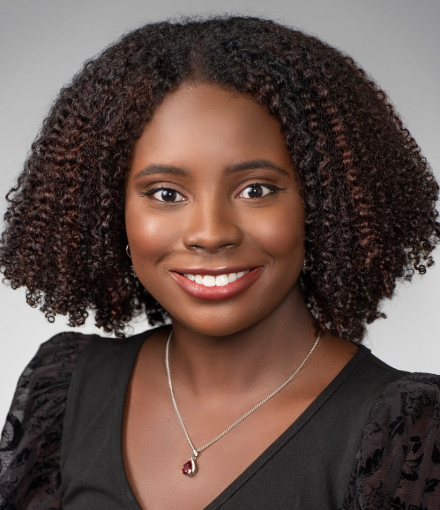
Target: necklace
x: 190, y: 467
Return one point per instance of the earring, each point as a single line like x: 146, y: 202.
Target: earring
x: 127, y: 251
x: 305, y: 266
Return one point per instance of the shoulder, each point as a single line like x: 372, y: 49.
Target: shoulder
x: 410, y: 403
x: 58, y: 353
x: 30, y: 442
x: 30, y: 446
x: 102, y: 364
x: 101, y: 378
x: 398, y: 460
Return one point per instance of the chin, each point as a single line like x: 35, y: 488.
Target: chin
x: 215, y: 327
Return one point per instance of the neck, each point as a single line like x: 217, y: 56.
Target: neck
x: 254, y: 359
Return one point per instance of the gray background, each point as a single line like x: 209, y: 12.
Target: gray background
x: 44, y: 42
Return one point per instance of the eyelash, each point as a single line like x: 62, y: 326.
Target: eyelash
x: 271, y: 187
x: 151, y: 192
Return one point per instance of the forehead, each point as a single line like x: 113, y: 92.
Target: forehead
x: 201, y: 117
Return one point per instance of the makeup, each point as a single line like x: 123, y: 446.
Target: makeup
x: 207, y: 289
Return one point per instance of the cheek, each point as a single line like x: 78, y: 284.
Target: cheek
x: 149, y: 235
x: 281, y: 233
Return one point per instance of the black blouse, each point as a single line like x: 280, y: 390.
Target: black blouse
x: 370, y: 441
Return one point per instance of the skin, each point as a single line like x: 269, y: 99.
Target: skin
x: 211, y: 187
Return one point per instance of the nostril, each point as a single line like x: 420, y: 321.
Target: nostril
x: 212, y: 234
x: 210, y: 247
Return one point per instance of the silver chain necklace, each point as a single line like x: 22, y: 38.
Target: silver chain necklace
x: 190, y: 468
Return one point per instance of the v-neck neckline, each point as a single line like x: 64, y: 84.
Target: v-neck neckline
x: 258, y: 463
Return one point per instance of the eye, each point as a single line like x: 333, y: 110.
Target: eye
x: 257, y: 190
x: 165, y: 195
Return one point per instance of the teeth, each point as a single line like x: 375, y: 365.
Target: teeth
x: 221, y: 280
x: 215, y: 281
x: 209, y: 281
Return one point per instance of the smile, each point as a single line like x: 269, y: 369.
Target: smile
x: 216, y: 285
x: 215, y: 281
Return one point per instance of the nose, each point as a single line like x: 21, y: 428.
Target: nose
x: 212, y: 226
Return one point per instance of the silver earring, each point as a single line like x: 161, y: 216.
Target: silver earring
x: 305, y: 266
x: 127, y: 251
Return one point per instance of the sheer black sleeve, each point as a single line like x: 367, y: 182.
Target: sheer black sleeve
x: 31, y: 439
x: 398, y: 462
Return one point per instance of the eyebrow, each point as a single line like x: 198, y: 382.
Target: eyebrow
x: 230, y: 169
x: 255, y: 164
x: 161, y: 169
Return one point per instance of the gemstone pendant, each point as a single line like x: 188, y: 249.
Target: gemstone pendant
x: 190, y: 468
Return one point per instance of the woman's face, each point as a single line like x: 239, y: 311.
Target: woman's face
x: 214, y: 218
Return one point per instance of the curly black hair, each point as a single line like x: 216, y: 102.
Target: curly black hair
x: 369, y: 194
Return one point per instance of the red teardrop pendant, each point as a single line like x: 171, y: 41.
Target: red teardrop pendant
x: 189, y: 468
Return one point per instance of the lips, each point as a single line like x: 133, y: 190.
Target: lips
x: 216, y: 285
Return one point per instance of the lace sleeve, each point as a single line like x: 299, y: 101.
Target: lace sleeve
x: 31, y: 439
x: 398, y: 462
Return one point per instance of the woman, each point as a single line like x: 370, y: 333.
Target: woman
x: 250, y: 187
